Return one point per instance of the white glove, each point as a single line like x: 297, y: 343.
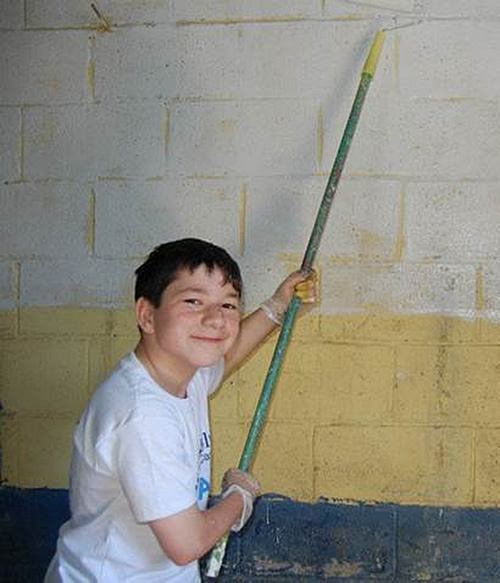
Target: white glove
x: 235, y: 480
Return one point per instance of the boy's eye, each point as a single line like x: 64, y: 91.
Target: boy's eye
x: 228, y: 306
x: 193, y: 301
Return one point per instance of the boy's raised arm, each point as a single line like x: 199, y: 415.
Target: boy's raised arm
x: 258, y: 325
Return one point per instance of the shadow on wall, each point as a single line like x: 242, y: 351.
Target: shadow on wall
x: 287, y: 540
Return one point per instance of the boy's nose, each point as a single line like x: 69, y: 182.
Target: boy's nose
x: 214, y: 316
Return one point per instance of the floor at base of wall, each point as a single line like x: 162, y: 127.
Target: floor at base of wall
x: 295, y: 541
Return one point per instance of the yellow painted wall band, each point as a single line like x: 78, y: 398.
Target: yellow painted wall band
x: 374, y: 54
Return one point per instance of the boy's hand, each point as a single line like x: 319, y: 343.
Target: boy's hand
x: 307, y: 289
x: 235, y: 480
x: 298, y: 283
x: 304, y: 285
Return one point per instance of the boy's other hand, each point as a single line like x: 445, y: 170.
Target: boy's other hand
x: 237, y: 477
x: 247, y: 486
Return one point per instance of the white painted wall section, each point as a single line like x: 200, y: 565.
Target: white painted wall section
x: 221, y: 119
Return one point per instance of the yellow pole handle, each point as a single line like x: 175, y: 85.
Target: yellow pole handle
x: 374, y: 54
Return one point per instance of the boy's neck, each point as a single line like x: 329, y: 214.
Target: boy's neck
x: 173, y: 381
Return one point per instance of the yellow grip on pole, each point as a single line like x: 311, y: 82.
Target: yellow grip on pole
x: 374, y: 54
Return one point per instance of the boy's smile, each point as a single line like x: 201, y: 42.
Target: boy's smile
x: 195, y: 325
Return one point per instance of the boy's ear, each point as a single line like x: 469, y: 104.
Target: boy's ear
x: 144, y: 315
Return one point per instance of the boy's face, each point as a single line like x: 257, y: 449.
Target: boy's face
x: 197, y: 321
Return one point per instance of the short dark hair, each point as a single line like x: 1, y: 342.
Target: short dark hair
x: 166, y: 260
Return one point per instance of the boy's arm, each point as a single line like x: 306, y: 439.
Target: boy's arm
x: 189, y: 534
x: 257, y: 326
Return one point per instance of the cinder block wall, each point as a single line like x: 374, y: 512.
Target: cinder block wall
x: 221, y: 120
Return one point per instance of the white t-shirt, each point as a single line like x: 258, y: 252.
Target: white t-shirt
x: 139, y: 454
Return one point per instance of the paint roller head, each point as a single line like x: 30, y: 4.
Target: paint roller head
x: 406, y: 25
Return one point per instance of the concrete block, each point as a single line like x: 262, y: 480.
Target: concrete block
x: 9, y: 435
x: 423, y: 139
x: 62, y: 13
x: 287, y: 540
x: 82, y: 142
x: 12, y: 14
x: 8, y: 286
x: 65, y: 321
x: 104, y: 355
x: 376, y: 145
x: 420, y: 394
x: 308, y: 60
x: 120, y: 347
x: 44, y: 375
x: 490, y: 330
x: 292, y: 398
x: 10, y: 144
x: 432, y: 329
x: 8, y: 323
x: 447, y: 385
x: 484, y: 9
x: 228, y: 439
x: 45, y: 451
x: 375, y: 149
x: 405, y: 289
x: 135, y: 63
x: 452, y: 223
x: 449, y: 139
x: 355, y: 384
x: 272, y: 60
x: 59, y: 13
x: 100, y: 361
x: 363, y: 223
x: 296, y: 397
x: 33, y: 71
x: 304, y: 357
x: 262, y: 273
x: 440, y: 60
x: 281, y: 213
x: 487, y: 471
x: 337, y: 328
x: 224, y: 403
x: 436, y: 544
x: 90, y: 283
x: 124, y: 323
x: 379, y: 327
x: 250, y: 378
x: 153, y: 212
x: 491, y: 282
x: 279, y: 444
x: 72, y: 321
x: 416, y: 465
x: 220, y: 10
x: 348, y: 9
x: 306, y: 327
x: 252, y: 138
x: 30, y: 515
x: 209, y: 62
x: 47, y: 215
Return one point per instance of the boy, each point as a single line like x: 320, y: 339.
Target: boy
x: 140, y: 473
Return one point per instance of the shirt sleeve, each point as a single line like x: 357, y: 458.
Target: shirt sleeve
x: 153, y: 468
x: 211, y: 376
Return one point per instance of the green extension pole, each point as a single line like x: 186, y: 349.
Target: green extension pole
x: 216, y: 558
